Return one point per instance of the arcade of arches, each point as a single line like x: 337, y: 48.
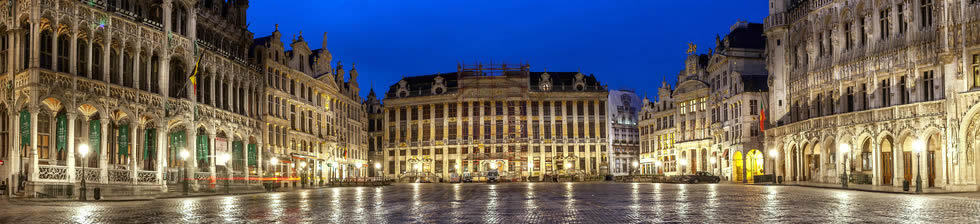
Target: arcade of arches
x: 885, y: 154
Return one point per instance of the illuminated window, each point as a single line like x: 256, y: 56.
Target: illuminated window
x: 976, y: 70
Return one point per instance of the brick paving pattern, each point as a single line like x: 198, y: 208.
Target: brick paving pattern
x: 518, y: 203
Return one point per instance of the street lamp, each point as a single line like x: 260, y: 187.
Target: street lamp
x: 224, y: 159
x: 682, y: 163
x: 919, y: 147
x: 302, y: 173
x: 635, y: 165
x: 377, y: 168
x: 183, y: 157
x: 83, y: 150
x: 713, y: 161
x: 659, y: 164
x: 845, y: 149
x: 274, y: 162
x: 772, y: 155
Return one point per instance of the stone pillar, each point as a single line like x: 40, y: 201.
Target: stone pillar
x: 33, y: 172
x: 71, y: 147
x: 133, y: 160
x: 161, y: 143
x: 73, y: 53
x: 104, y: 148
x: 88, y: 64
x: 191, y: 163
x: 136, y: 67
x: 212, y: 153
x: 106, y: 60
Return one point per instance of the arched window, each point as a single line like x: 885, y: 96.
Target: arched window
x: 97, y: 70
x: 178, y: 79
x: 153, y: 79
x: 46, y: 49
x: 25, y: 47
x: 204, y: 89
x: 144, y: 72
x: 128, y: 75
x: 178, y: 20
x: 4, y: 53
x: 114, y: 77
x: 64, y: 48
x: 81, y: 60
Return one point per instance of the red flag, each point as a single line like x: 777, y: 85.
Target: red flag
x: 762, y: 119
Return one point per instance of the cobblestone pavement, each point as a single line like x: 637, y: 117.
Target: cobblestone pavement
x: 518, y: 203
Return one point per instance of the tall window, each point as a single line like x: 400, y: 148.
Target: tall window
x: 850, y: 99
x: 754, y: 110
x: 903, y: 89
x: 46, y: 49
x: 976, y: 70
x: 43, y: 136
x: 902, y: 24
x: 4, y: 53
x: 64, y: 48
x: 885, y: 93
x: 884, y: 23
x: 862, y: 33
x: 928, y: 82
x: 925, y: 13
x: 847, y: 36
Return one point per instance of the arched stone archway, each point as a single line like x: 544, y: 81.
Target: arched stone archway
x: 754, y: 161
x: 737, y: 167
x: 886, y: 160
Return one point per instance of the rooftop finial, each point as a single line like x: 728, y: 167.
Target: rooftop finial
x: 277, y: 27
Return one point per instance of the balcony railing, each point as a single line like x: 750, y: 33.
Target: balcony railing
x: 922, y: 109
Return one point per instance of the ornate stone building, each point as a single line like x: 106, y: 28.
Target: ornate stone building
x: 624, y: 136
x: 522, y: 123
x: 717, y: 101
x: 314, y: 122
x: 884, y: 90
x: 114, y: 76
x: 375, y: 131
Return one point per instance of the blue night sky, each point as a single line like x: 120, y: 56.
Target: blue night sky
x: 626, y: 44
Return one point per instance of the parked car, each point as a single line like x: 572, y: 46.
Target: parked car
x: 454, y: 178
x: 700, y: 177
x: 467, y: 178
x: 493, y: 176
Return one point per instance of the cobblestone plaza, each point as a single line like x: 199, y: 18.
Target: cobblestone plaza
x: 520, y: 203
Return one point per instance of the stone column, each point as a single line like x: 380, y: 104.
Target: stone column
x: 88, y: 64
x: 212, y: 153
x: 73, y: 53
x: 133, y: 160
x: 192, y: 162
x: 106, y: 60
x: 104, y: 148
x: 161, y: 142
x: 136, y: 67
x: 33, y: 172
x: 71, y: 147
x: 54, y: 47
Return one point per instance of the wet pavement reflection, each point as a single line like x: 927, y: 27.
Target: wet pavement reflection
x: 518, y: 203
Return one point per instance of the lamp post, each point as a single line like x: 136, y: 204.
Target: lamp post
x: 225, y: 158
x: 773, y: 155
x: 635, y: 165
x: 302, y: 173
x: 183, y: 157
x: 659, y: 164
x: 919, y: 147
x: 713, y: 161
x: 846, y: 150
x: 83, y: 150
x: 274, y: 162
x: 682, y: 163
x: 377, y: 168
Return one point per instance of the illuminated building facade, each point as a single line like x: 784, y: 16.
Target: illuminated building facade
x: 882, y: 91
x: 524, y: 124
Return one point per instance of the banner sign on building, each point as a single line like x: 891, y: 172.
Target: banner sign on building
x: 61, y: 138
